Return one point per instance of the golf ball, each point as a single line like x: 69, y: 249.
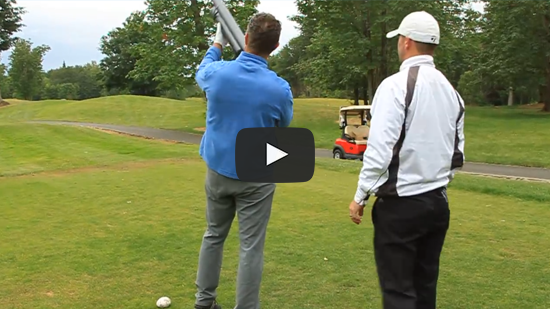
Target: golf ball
x: 164, y: 302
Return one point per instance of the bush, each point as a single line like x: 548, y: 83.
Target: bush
x: 192, y: 91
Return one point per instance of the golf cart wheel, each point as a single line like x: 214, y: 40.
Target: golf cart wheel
x: 337, y: 154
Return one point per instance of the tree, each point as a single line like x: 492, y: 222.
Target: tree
x: 5, y: 84
x: 86, y: 78
x: 178, y: 36
x: 516, y: 48
x: 338, y: 45
x: 347, y: 47
x: 121, y: 55
x: 49, y: 90
x: 26, y: 68
x: 285, y: 64
x: 10, y: 23
x: 68, y: 91
x: 289, y: 62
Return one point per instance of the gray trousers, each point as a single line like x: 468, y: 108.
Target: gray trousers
x: 252, y: 203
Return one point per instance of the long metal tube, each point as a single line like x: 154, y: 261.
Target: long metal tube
x: 231, y: 30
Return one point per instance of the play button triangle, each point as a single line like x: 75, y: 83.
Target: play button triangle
x: 273, y: 154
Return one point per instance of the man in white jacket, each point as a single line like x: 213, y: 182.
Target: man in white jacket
x: 416, y: 144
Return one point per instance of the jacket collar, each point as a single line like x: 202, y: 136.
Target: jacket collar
x: 416, y: 61
x: 248, y: 57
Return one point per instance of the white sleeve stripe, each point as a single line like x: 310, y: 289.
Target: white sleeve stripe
x: 458, y: 157
x: 389, y: 188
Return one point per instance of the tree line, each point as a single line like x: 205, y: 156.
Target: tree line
x: 25, y: 79
x: 496, y: 56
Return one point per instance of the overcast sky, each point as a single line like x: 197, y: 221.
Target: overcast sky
x: 73, y: 28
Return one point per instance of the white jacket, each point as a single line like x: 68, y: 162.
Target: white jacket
x: 432, y: 147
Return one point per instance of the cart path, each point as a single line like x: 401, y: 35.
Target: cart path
x: 505, y: 171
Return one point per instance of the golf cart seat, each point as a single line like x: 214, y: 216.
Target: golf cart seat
x: 359, y: 133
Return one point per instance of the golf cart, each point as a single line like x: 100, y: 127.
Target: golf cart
x: 355, y: 132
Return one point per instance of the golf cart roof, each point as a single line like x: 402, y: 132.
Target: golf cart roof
x: 354, y: 108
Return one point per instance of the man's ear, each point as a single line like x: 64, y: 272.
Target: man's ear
x: 246, y: 38
x: 277, y: 45
x: 408, y: 43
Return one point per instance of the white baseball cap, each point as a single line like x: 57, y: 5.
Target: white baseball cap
x: 419, y: 26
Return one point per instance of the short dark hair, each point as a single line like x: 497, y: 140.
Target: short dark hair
x: 425, y: 48
x: 264, y: 31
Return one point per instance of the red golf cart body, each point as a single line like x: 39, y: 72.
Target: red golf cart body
x: 353, y: 142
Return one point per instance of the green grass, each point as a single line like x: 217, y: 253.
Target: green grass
x: 318, y: 115
x: 32, y: 148
x: 124, y: 110
x: 524, y: 190
x: 514, y: 136
x: 95, y: 220
x: 122, y: 238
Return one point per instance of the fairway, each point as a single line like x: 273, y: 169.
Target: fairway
x: 512, y: 136
x: 31, y: 148
x: 97, y: 220
x: 105, y: 199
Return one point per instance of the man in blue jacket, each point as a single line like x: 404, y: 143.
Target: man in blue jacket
x: 243, y: 93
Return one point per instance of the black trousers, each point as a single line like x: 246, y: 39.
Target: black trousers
x: 409, y: 233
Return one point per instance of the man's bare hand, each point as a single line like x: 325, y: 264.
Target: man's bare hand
x: 356, y: 212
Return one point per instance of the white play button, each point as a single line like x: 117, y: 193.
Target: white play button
x: 273, y: 154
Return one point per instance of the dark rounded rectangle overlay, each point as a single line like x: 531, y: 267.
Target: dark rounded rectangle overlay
x: 251, y: 155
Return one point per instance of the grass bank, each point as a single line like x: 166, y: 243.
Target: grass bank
x: 512, y: 136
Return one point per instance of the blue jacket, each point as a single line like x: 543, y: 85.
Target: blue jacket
x: 242, y: 93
